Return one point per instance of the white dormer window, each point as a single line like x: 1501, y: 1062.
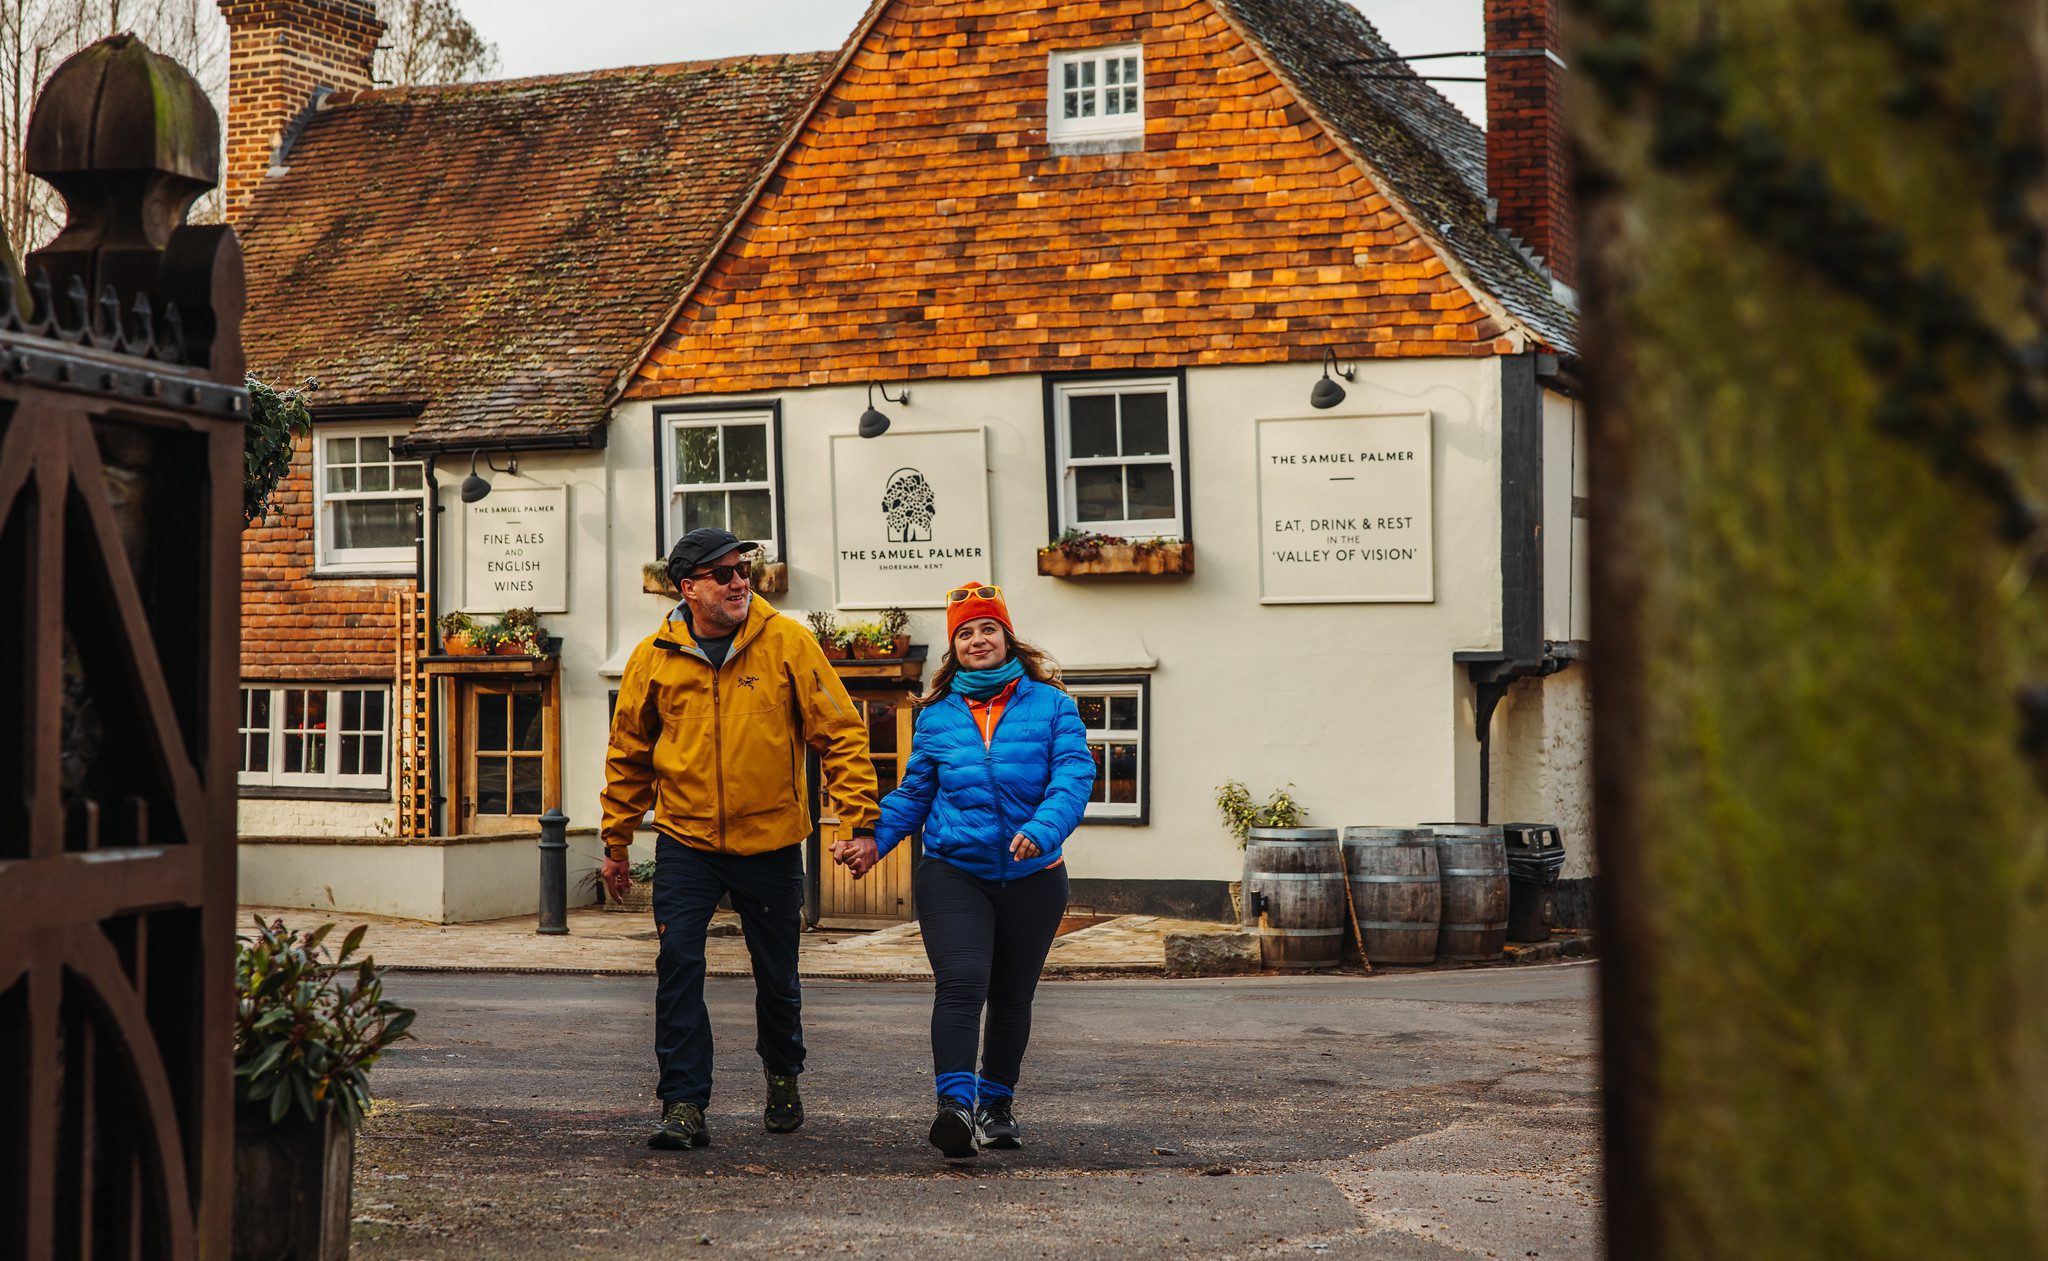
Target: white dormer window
x: 1097, y: 94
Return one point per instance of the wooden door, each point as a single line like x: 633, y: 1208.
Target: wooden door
x: 883, y: 896
x: 506, y: 761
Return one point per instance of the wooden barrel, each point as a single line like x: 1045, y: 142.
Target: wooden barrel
x: 1472, y: 867
x: 1394, y: 891
x: 1294, y: 885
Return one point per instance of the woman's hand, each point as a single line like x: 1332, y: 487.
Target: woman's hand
x: 858, y: 854
x: 1022, y: 847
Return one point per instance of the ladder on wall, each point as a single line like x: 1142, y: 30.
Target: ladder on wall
x: 414, y: 717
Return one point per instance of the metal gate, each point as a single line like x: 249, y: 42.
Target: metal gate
x: 121, y: 471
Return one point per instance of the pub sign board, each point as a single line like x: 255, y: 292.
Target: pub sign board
x: 515, y: 551
x: 909, y: 517
x: 1346, y: 511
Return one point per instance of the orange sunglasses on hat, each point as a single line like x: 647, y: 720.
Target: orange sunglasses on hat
x: 974, y: 600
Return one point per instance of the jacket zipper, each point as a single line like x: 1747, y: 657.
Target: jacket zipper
x: 826, y: 692
x: 718, y: 754
x: 995, y: 801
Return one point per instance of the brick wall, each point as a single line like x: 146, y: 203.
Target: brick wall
x: 298, y: 627
x: 1527, y: 170
x: 279, y: 52
x: 922, y: 225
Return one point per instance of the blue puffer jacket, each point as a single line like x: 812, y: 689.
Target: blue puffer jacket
x: 1034, y: 777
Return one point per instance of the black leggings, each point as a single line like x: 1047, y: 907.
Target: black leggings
x: 987, y: 942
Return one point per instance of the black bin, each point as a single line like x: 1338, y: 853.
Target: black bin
x: 1535, y: 859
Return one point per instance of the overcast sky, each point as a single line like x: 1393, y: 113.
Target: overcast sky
x: 550, y: 36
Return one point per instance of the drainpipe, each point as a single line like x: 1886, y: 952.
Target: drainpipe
x: 1524, y: 653
x: 430, y: 559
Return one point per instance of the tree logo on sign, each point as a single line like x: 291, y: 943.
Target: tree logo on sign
x: 908, y: 507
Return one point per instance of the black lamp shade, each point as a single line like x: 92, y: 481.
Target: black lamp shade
x: 1326, y: 394
x: 475, y: 488
x: 873, y: 424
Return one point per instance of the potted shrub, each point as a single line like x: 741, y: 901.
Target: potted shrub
x: 457, y: 635
x: 896, y: 625
x: 523, y: 635
x: 309, y: 1024
x: 868, y: 640
x: 1082, y: 554
x: 488, y: 638
x: 830, y: 637
x: 1241, y: 814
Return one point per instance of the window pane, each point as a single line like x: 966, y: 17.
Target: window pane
x: 746, y: 453
x: 373, y: 755
x: 526, y: 785
x: 490, y: 722
x: 341, y: 450
x: 490, y: 786
x: 1099, y: 494
x: 1091, y: 425
x: 753, y: 519
x: 1101, y: 789
x: 351, y: 711
x: 702, y: 508
x: 697, y: 455
x: 373, y: 711
x: 340, y: 479
x: 1087, y: 74
x: 1112, y: 71
x: 375, y: 523
x: 1091, y: 708
x: 1144, y: 424
x: 886, y: 776
x: 1123, y: 773
x: 256, y: 751
x: 351, y: 755
x: 1130, y: 100
x: 1071, y: 74
x: 305, y: 753
x: 1071, y: 106
x: 881, y: 727
x: 1151, y: 497
x: 527, y: 711
x: 1123, y: 713
x: 376, y: 477
x: 294, y: 753
x: 259, y: 708
x: 407, y: 477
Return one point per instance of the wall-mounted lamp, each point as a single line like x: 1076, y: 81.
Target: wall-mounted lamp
x: 1328, y: 393
x: 475, y: 487
x: 873, y: 424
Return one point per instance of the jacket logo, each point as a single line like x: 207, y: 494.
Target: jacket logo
x: 750, y: 680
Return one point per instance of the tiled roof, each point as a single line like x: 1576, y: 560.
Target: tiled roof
x: 502, y: 251
x: 1422, y: 146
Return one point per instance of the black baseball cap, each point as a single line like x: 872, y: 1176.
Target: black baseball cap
x: 704, y: 544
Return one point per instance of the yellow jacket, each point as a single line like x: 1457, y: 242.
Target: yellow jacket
x: 718, y: 755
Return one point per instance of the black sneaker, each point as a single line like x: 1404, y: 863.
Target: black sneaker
x: 682, y: 1126
x: 995, y: 1127
x: 953, y: 1132
x: 785, y: 1110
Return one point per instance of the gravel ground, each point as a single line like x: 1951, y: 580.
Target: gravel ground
x: 1409, y: 1117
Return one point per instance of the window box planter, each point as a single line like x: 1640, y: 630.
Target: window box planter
x: 863, y: 650
x: 770, y: 578
x: 1071, y: 561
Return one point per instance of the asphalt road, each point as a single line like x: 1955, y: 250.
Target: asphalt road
x: 1410, y: 1118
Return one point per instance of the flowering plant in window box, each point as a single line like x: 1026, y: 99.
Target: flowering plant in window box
x: 1083, y: 554
x: 457, y: 636
x: 770, y: 577
x: 833, y: 640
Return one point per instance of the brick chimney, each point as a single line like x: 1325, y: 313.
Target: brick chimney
x: 1526, y: 168
x: 279, y: 53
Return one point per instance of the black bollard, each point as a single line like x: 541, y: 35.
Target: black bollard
x: 554, y: 874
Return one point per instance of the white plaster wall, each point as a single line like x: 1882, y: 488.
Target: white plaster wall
x: 1543, y: 764
x: 277, y: 817
x: 1564, y: 555
x: 1360, y: 706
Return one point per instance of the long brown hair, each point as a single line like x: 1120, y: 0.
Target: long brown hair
x: 1037, y: 666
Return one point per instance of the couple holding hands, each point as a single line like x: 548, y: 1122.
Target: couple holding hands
x: 712, y: 715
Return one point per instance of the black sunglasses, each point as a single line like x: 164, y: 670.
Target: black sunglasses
x: 722, y: 574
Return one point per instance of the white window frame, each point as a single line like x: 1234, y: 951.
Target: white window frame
x: 672, y: 490
x: 1100, y: 126
x: 1119, y: 811
x: 330, y: 775
x: 329, y: 559
x: 1155, y: 528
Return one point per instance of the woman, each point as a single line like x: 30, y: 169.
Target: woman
x: 998, y: 776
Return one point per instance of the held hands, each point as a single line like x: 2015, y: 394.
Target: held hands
x: 858, y: 854
x: 617, y: 875
x: 1022, y: 847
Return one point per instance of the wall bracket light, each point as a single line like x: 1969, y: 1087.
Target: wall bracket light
x: 475, y: 487
x: 1328, y: 393
x: 873, y: 424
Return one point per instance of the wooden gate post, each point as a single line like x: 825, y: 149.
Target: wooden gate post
x: 121, y: 434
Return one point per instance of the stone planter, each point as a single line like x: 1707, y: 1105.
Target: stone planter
x: 292, y: 1186
x: 1144, y: 559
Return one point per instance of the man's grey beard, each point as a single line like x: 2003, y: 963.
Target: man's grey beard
x: 724, y: 626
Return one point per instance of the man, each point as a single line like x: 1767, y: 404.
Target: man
x: 714, y: 711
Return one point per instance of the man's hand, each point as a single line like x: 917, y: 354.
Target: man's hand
x: 858, y: 853
x: 1022, y: 847
x: 617, y: 875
